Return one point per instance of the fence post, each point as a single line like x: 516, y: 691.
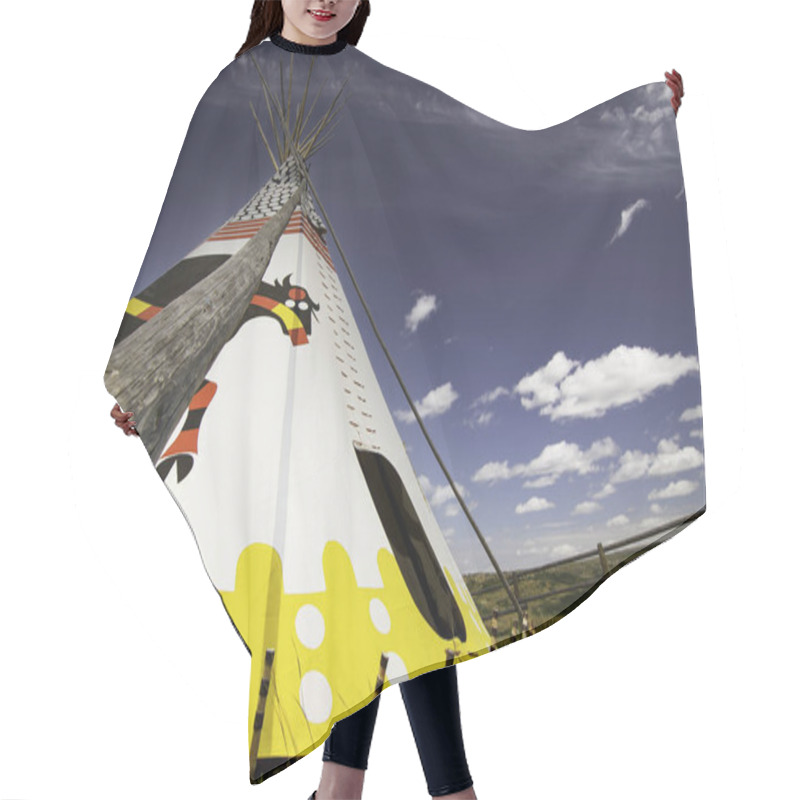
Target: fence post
x: 603, y: 559
x: 526, y: 625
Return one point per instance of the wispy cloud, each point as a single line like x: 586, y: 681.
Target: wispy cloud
x: 642, y: 127
x: 626, y: 217
x: 481, y: 416
x: 425, y: 306
x: 479, y: 420
x: 490, y: 397
x: 541, y: 483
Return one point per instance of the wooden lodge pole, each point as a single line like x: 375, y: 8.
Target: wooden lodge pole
x: 156, y: 370
x: 258, y: 722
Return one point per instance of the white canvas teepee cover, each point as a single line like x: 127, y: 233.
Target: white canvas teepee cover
x: 307, y: 512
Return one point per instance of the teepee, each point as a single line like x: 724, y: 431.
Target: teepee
x: 255, y: 397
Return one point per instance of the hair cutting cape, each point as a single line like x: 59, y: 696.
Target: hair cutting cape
x: 419, y: 381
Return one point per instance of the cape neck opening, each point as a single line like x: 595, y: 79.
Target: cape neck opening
x: 311, y: 49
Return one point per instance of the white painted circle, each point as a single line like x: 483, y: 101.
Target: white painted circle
x: 379, y: 615
x: 310, y: 626
x: 396, y: 670
x: 316, y: 698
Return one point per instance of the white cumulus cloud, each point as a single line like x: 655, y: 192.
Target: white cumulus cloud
x: 565, y: 388
x: 438, y: 495
x: 669, y: 459
x: 540, y: 388
x: 633, y: 464
x: 691, y: 414
x: 553, y: 461
x: 672, y: 458
x: 586, y: 507
x: 563, y: 551
x: 607, y: 490
x: 674, y: 489
x: 436, y: 402
x: 533, y: 504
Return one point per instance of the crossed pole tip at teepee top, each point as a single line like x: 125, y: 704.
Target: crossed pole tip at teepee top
x: 289, y: 135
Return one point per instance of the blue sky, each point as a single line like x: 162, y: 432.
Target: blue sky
x: 533, y: 287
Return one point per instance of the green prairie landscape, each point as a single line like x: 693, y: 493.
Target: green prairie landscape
x: 547, y: 594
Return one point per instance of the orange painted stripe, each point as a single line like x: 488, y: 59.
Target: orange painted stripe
x: 149, y: 312
x: 264, y: 302
x: 203, y: 397
x: 298, y: 223
x: 185, y: 442
x: 249, y: 223
x: 298, y: 336
x: 223, y: 238
x: 235, y: 222
x: 244, y: 223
